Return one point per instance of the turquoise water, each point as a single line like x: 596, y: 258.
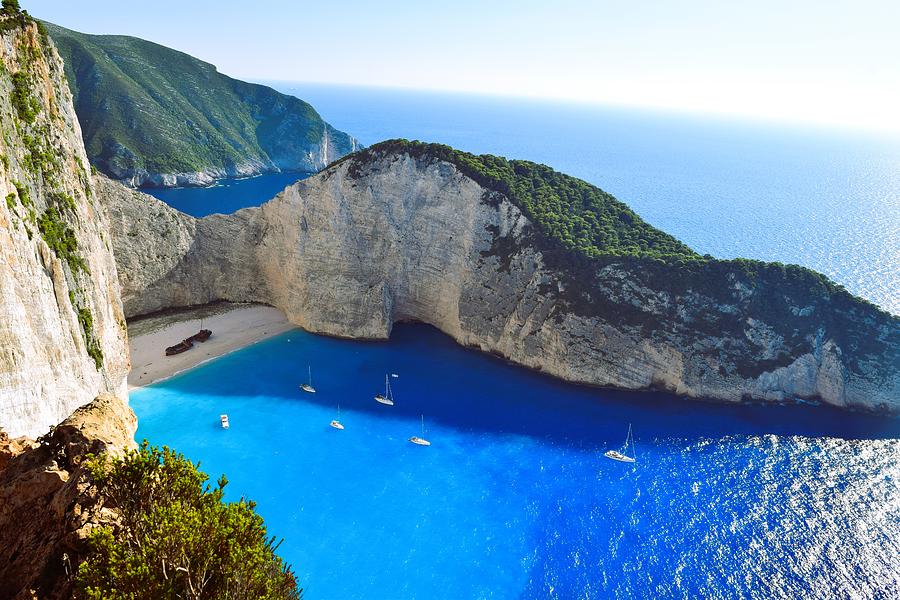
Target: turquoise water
x: 227, y: 195
x: 514, y: 498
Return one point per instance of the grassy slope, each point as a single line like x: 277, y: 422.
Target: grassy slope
x: 175, y: 113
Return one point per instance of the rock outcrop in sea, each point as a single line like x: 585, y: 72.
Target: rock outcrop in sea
x: 402, y: 234
x: 62, y: 332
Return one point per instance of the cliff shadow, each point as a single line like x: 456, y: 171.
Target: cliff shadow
x: 470, y: 390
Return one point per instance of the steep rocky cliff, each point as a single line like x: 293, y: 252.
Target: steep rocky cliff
x: 62, y: 332
x: 47, y: 503
x: 424, y: 233
x: 154, y: 116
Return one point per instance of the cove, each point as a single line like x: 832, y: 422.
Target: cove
x: 514, y: 498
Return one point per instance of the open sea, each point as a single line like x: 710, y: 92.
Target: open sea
x: 514, y: 498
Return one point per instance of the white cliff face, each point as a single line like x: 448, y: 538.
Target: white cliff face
x: 357, y: 248
x: 62, y: 330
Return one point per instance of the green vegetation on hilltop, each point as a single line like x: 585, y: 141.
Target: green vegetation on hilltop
x: 145, y: 106
x: 581, y: 217
x: 580, y: 230
x: 177, y: 537
x: 578, y: 220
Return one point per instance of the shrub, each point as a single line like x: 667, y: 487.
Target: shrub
x: 25, y: 104
x: 61, y: 239
x: 10, y: 8
x: 177, y: 538
x: 86, y: 319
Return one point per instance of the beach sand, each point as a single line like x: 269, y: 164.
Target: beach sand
x: 233, y: 327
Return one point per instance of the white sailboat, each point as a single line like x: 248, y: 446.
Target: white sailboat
x: 308, y: 387
x: 623, y: 455
x: 387, y: 397
x: 337, y: 422
x: 421, y: 441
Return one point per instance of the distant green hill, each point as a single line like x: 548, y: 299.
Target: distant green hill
x: 148, y: 112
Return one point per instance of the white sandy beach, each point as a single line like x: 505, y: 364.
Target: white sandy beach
x: 233, y: 327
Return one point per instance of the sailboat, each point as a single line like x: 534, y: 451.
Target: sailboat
x: 307, y: 387
x: 387, y: 397
x: 421, y: 441
x: 337, y: 422
x: 623, y: 456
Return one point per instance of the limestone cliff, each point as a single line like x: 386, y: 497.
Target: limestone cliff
x: 388, y: 236
x: 62, y: 334
x: 48, y: 506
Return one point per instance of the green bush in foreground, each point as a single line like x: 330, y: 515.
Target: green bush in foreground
x: 177, y: 538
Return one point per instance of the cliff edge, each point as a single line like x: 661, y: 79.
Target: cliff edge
x: 48, y: 505
x: 62, y: 336
x: 514, y: 259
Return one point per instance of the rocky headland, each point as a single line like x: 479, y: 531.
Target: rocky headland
x: 416, y: 232
x: 155, y: 117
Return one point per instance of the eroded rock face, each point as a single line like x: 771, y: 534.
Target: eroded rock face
x: 361, y: 246
x: 62, y: 330
x: 48, y: 506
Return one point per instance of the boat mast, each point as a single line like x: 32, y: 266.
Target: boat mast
x: 630, y: 436
x: 423, y: 426
x: 309, y: 372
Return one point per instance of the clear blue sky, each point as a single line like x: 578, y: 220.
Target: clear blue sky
x: 826, y: 61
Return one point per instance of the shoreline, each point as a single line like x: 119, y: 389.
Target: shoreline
x: 234, y: 326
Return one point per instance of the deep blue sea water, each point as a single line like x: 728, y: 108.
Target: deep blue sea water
x: 514, y: 498
x: 227, y: 195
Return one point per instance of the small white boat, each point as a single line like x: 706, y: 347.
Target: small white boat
x: 394, y: 375
x: 388, y: 396
x: 223, y: 419
x: 421, y: 441
x: 623, y: 455
x: 308, y: 387
x: 337, y: 422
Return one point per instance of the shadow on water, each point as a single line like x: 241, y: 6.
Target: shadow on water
x: 469, y: 390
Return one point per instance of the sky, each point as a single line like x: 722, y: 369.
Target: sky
x: 832, y: 62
